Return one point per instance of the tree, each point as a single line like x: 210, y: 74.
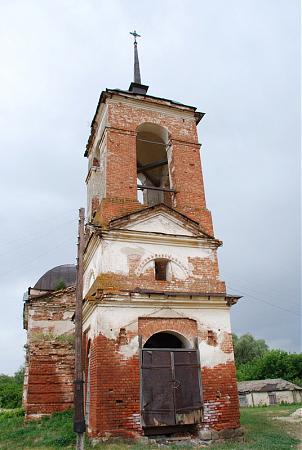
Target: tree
x: 273, y: 364
x: 60, y: 285
x: 11, y: 388
x: 247, y: 348
x: 19, y: 376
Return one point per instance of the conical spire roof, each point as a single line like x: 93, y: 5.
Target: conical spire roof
x: 136, y: 86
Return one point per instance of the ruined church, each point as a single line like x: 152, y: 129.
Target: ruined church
x: 158, y: 354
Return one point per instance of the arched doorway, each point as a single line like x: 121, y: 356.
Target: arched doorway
x: 170, y: 376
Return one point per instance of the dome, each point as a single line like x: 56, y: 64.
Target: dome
x: 50, y: 280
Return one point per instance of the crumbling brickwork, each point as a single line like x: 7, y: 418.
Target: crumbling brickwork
x: 123, y: 119
x: 154, y: 302
x: 49, y: 372
x: 221, y: 405
x: 151, y: 270
x: 115, y: 385
x: 114, y: 391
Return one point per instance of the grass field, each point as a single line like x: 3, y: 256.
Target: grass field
x: 262, y: 431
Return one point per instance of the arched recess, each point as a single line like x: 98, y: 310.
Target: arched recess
x: 152, y: 141
x: 89, y: 280
x: 168, y: 340
x: 175, y: 268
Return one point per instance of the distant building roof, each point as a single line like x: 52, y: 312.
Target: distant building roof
x: 50, y: 280
x: 269, y: 385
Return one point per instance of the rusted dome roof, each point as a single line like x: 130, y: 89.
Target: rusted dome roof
x: 49, y: 281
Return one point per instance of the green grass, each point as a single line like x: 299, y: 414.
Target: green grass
x: 264, y: 433
x: 55, y: 432
x: 49, y: 433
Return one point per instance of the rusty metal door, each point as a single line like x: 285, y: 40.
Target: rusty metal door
x: 170, y: 387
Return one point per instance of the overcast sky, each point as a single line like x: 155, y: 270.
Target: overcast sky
x: 236, y: 60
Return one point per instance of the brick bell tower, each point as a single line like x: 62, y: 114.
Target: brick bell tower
x: 159, y: 356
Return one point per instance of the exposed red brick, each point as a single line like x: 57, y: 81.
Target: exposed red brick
x: 220, y: 397
x: 115, y: 391
x: 49, y: 382
x: 121, y: 172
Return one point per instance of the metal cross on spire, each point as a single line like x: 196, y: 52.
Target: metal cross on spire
x: 135, y: 35
x: 137, y: 74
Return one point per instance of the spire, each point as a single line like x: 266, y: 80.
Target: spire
x: 136, y: 86
x: 137, y: 74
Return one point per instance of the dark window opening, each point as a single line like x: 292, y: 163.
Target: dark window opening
x: 243, y: 400
x: 164, y: 340
x: 160, y: 267
x: 272, y: 398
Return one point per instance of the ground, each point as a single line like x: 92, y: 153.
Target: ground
x: 263, y: 430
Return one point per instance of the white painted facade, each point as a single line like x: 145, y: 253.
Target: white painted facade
x: 159, y: 235
x: 150, y: 238
x: 268, y: 398
x: 49, y: 325
x: 107, y: 320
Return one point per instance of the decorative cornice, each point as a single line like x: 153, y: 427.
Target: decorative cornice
x: 135, y: 300
x: 155, y: 238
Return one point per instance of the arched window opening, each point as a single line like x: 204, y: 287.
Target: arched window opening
x: 152, y: 164
x: 160, y: 269
x: 164, y: 340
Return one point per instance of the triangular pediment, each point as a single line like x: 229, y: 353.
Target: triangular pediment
x: 158, y: 219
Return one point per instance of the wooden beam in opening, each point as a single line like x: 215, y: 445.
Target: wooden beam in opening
x: 153, y: 188
x: 152, y: 142
x: 153, y: 165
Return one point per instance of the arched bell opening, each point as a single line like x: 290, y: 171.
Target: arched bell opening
x: 152, y: 164
x: 167, y: 340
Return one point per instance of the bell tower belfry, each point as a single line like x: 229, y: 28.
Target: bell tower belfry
x: 159, y: 355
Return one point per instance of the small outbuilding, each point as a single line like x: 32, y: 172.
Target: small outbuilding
x: 268, y: 392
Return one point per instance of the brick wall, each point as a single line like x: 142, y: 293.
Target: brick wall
x: 49, y: 353
x: 115, y: 380
x: 50, y: 377
x: 186, y: 327
x: 204, y: 278
x: 121, y: 173
x: 220, y: 396
x: 114, y: 376
x: 115, y: 391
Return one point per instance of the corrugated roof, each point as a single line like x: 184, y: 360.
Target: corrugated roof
x: 269, y: 385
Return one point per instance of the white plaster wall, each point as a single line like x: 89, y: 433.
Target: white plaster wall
x: 107, y: 320
x: 284, y: 396
x: 56, y: 327
x: 260, y: 398
x: 94, y: 267
x: 298, y: 396
x: 96, y: 184
x: 160, y: 223
x: 249, y: 399
x: 113, y: 256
